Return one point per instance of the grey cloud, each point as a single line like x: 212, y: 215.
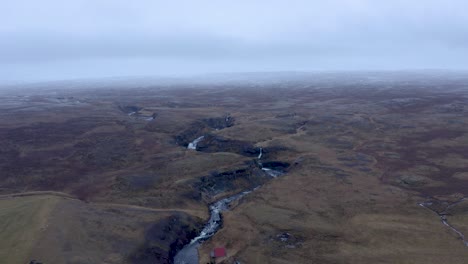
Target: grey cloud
x: 82, y: 38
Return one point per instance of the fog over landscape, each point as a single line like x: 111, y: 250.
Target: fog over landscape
x: 53, y: 39
x: 233, y: 132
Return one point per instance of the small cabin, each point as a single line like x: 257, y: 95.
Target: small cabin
x: 218, y: 252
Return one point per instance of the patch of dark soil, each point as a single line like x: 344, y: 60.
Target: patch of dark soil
x: 164, y: 238
x: 106, y: 150
x: 8, y: 152
x: 130, y: 108
x: 416, y: 104
x: 192, y: 194
x: 134, y: 183
x: 454, y: 186
x: 286, y: 115
x: 453, y: 107
x: 340, y: 143
x: 70, y: 166
x: 338, y: 173
x: 40, y: 170
x: 410, y: 155
x: 459, y: 150
x: 431, y: 135
x: 355, y: 160
x: 46, y: 134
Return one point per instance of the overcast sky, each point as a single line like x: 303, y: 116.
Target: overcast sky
x: 57, y: 39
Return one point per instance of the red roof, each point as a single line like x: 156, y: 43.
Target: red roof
x: 219, y: 252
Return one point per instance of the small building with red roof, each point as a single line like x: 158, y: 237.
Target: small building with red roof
x: 218, y: 252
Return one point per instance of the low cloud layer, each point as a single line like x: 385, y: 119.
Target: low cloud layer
x: 52, y: 39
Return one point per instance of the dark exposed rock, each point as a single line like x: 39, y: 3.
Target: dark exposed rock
x: 195, y: 130
x: 239, y: 179
x: 219, y: 122
x: 201, y: 127
x: 250, y: 150
x: 275, y: 165
x: 271, y: 152
x: 213, y: 143
x: 287, y: 240
x: 411, y: 180
x: 164, y: 238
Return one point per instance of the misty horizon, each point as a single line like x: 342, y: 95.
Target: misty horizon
x: 54, y: 40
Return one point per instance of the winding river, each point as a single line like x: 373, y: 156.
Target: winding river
x: 189, y: 253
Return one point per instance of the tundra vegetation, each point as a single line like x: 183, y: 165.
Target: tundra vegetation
x: 373, y: 170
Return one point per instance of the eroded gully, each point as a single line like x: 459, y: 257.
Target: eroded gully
x: 189, y: 253
x: 443, y: 217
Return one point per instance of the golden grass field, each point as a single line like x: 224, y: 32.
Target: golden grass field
x: 22, y: 222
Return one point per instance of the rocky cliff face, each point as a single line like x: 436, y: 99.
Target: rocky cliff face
x: 164, y: 238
